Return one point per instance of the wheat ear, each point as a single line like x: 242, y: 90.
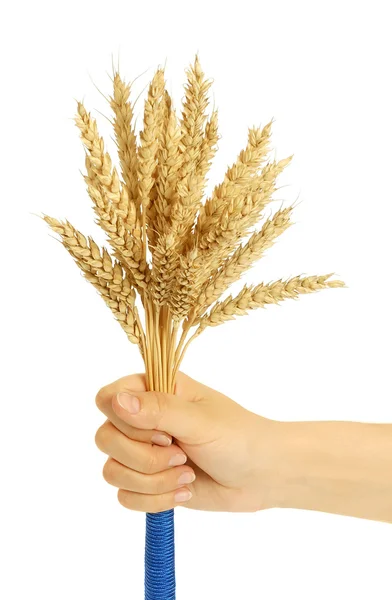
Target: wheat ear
x: 229, y: 198
x: 208, y: 146
x: 189, y: 277
x: 258, y: 296
x: 169, y: 162
x: 243, y: 258
x: 148, y: 148
x: 125, y: 136
x: 107, y: 277
x: 190, y: 183
x: 115, y: 214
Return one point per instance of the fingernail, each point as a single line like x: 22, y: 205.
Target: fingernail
x: 187, y: 477
x: 160, y: 439
x: 182, y: 496
x: 177, y: 460
x: 129, y: 403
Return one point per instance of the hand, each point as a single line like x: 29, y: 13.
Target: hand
x: 149, y: 436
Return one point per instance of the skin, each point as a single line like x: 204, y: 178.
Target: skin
x: 200, y: 449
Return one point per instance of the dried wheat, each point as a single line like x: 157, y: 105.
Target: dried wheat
x: 258, y: 296
x: 190, y: 179
x: 208, y: 146
x: 107, y: 277
x: 169, y: 162
x: 229, y: 194
x: 197, y: 250
x: 125, y: 137
x: 148, y: 148
x: 111, y: 201
x: 243, y: 258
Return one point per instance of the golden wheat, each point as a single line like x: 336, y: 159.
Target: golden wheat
x: 251, y: 297
x: 107, y: 277
x: 229, y: 197
x: 243, y: 258
x: 125, y: 136
x: 190, y: 179
x: 208, y: 146
x: 169, y: 162
x: 147, y: 155
x: 111, y: 203
x: 180, y: 253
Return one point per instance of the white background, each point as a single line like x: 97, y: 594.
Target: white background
x: 322, y: 70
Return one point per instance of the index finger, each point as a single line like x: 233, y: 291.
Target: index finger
x: 103, y: 400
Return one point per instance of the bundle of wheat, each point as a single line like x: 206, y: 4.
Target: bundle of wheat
x: 174, y: 249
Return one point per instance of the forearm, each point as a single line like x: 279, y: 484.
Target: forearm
x: 335, y: 467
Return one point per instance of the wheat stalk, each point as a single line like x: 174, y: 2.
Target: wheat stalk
x: 155, y: 207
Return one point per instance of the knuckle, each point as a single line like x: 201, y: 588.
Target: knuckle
x: 159, y: 404
x: 124, y: 498
x: 102, y: 436
x: 158, y: 484
x: 109, y: 471
x: 160, y: 504
x: 148, y: 504
x: 151, y: 462
x: 101, y: 399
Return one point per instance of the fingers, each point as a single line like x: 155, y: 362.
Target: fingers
x: 139, y: 456
x: 103, y: 401
x: 175, y: 415
x: 159, y: 483
x: 154, y: 504
x: 150, y: 478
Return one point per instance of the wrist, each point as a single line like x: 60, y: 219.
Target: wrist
x: 295, y: 462
x: 270, y: 462
x: 309, y: 464
x: 296, y: 459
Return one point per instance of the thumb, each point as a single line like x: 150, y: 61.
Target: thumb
x: 181, y: 418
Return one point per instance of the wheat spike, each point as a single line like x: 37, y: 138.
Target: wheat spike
x: 244, y: 257
x: 261, y: 190
x: 149, y: 140
x: 169, y: 162
x: 125, y: 137
x: 229, y: 198
x: 240, y: 215
x: 209, y: 145
x: 111, y: 201
x: 258, y: 296
x: 107, y: 277
x: 100, y: 167
x: 189, y: 278
x: 154, y: 211
x: 190, y: 179
x: 163, y: 268
x: 193, y: 118
x: 124, y: 311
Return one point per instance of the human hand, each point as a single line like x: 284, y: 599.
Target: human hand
x: 149, y: 436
